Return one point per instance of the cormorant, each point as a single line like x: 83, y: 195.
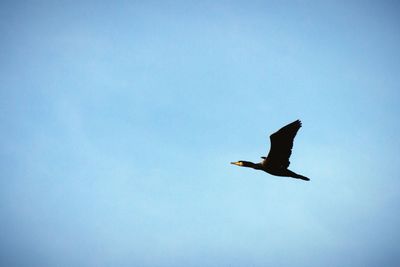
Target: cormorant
x: 277, y: 161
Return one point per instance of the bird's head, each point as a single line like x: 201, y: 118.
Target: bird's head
x: 243, y: 163
x: 238, y: 163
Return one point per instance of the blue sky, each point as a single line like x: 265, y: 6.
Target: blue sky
x: 119, y: 121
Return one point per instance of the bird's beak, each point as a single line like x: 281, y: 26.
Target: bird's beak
x: 237, y: 163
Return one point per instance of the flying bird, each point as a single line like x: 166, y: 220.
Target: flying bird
x: 277, y: 161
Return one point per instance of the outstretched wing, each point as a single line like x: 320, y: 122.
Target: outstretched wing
x: 281, y: 145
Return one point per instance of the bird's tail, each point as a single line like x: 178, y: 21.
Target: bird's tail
x: 297, y: 176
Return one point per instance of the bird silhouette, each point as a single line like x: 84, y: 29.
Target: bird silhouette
x: 277, y: 161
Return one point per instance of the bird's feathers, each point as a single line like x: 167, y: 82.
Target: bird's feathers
x: 281, y: 145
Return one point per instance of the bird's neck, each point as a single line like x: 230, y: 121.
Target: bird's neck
x: 251, y: 165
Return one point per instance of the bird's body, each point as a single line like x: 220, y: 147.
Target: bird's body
x: 277, y: 161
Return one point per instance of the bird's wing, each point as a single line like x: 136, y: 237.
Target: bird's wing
x: 281, y: 145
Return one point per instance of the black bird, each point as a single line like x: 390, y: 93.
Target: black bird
x: 277, y: 161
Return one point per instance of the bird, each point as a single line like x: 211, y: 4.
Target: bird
x: 277, y: 161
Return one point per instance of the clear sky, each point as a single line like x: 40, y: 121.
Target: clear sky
x: 119, y: 120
